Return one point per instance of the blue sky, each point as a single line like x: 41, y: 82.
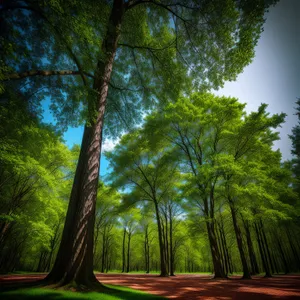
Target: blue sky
x: 273, y: 76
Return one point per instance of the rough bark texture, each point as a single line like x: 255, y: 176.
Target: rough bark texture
x: 74, y: 262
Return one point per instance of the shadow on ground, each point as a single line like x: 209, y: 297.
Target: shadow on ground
x: 181, y: 287
x: 44, y: 294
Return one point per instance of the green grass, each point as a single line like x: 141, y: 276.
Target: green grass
x: 118, y: 293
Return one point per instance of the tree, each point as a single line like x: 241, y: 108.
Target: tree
x: 196, y: 129
x: 108, y: 201
x: 295, y: 137
x: 151, y: 175
x: 209, y: 40
x: 32, y: 186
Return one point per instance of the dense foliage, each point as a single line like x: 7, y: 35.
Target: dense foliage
x: 198, y: 187
x: 201, y: 173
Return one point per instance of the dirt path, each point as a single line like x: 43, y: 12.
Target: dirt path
x: 194, y: 287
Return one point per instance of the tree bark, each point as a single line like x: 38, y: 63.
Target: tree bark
x: 123, y: 250
x: 238, y: 235
x: 147, y: 250
x: 262, y: 252
x: 215, y: 252
x: 103, y: 250
x: 128, y: 252
x: 283, y: 258
x: 266, y: 246
x: 163, y: 267
x: 171, y: 243
x: 293, y: 248
x: 31, y: 73
x: 74, y: 261
x: 253, y: 260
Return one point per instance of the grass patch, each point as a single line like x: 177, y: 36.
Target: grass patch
x: 118, y: 293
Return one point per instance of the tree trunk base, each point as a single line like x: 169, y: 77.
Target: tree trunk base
x: 85, y: 285
x: 268, y: 276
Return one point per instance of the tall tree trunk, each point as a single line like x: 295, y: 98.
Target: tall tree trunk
x: 283, y: 258
x: 146, y: 249
x: 224, y: 248
x: 221, y: 249
x: 74, y: 261
x: 211, y: 230
x: 123, y: 250
x: 215, y: 252
x: 262, y: 252
x: 163, y: 268
x: 253, y: 260
x: 238, y: 235
x: 128, y: 252
x: 103, y: 250
x: 293, y: 248
x: 266, y: 245
x: 167, y: 255
x: 171, y: 244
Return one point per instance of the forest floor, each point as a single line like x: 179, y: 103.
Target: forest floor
x: 193, y: 287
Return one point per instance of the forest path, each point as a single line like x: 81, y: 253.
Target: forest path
x: 194, y: 287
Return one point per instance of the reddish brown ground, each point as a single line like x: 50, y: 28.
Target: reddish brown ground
x: 190, y: 287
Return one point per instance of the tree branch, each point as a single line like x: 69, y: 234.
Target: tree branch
x: 56, y: 30
x: 165, y: 6
x: 31, y: 73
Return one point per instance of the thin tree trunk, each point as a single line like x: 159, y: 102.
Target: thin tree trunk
x: 215, y: 252
x: 74, y: 261
x: 167, y: 255
x: 224, y: 248
x: 253, y: 261
x: 262, y: 252
x: 103, y: 251
x: 171, y: 245
x: 146, y: 249
x: 283, y: 258
x: 294, y: 251
x: 238, y: 235
x: 128, y: 252
x: 222, y: 253
x: 123, y: 251
x: 163, y: 269
x: 265, y: 242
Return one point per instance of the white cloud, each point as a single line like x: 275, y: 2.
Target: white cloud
x: 109, y: 145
